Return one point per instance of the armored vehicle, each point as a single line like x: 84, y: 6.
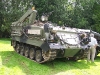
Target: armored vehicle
x: 42, y: 40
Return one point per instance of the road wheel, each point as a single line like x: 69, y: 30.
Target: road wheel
x: 38, y: 56
x: 26, y: 52
x: 22, y: 50
x: 32, y: 53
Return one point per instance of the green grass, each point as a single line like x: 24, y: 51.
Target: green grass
x: 12, y: 63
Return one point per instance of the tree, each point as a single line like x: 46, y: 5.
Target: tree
x: 72, y: 13
x: 11, y: 10
x: 96, y: 17
x: 1, y: 18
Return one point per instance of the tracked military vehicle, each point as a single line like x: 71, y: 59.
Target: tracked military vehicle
x: 43, y: 41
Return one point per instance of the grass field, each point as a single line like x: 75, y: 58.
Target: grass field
x: 12, y: 63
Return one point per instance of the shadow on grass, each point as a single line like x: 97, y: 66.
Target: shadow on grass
x: 11, y: 59
x: 97, y: 59
x: 5, y: 40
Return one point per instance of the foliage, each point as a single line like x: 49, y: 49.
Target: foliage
x: 11, y: 11
x: 72, y: 13
x: 96, y: 17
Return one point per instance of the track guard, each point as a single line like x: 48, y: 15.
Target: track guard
x: 45, y: 46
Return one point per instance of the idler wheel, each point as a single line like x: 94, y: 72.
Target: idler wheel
x: 13, y: 43
x: 17, y: 48
x: 32, y: 53
x: 38, y: 56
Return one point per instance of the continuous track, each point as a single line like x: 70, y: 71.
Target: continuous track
x: 24, y: 49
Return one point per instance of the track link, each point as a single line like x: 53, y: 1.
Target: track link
x: 52, y: 56
x: 85, y: 52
